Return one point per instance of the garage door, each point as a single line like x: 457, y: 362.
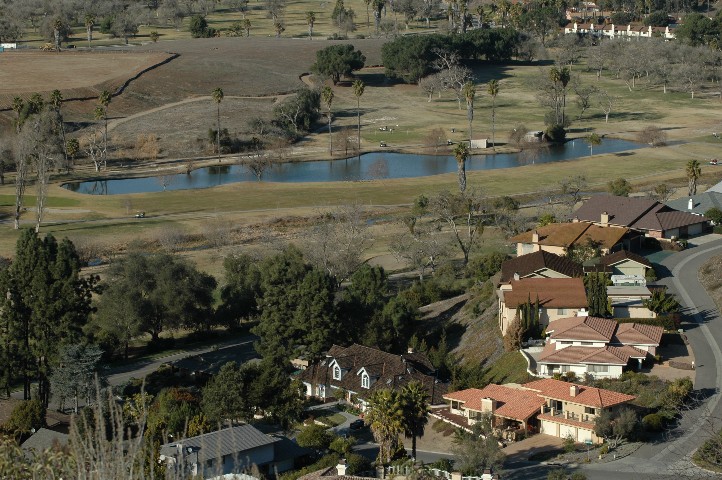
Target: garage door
x: 566, y: 430
x: 549, y: 428
x: 695, y: 229
x: 584, y: 435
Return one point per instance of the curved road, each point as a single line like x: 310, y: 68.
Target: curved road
x: 703, y: 327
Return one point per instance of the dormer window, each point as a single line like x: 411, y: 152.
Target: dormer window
x: 365, y: 381
x: 336, y: 372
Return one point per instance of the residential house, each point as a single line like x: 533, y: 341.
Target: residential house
x: 624, y: 268
x: 558, y: 298
x: 558, y: 238
x: 600, y: 347
x: 642, y: 214
x: 540, y: 264
x: 551, y: 407
x: 513, y: 408
x: 571, y: 409
x: 698, y: 204
x: 627, y: 301
x: 231, y: 450
x: 357, y: 371
x: 618, y: 31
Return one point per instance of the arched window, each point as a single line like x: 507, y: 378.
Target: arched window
x: 336, y: 372
x: 365, y: 381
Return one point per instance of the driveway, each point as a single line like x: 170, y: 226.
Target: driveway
x: 703, y: 326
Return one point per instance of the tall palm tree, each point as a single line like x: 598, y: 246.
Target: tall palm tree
x: 694, y: 171
x: 492, y: 88
x: 310, y: 19
x: 89, y: 23
x: 358, y: 90
x: 17, y: 106
x: 327, y: 96
x: 57, y: 26
x: 385, y: 417
x: 415, y: 405
x: 217, y: 96
x: 593, y: 139
x: 461, y: 152
x: 56, y: 100
x: 469, y: 91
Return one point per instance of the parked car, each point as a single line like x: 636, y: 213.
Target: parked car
x: 357, y: 424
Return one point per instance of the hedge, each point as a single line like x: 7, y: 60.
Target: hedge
x: 668, y: 322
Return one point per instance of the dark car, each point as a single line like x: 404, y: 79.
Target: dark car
x: 357, y: 424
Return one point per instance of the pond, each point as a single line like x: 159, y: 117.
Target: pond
x: 370, y: 166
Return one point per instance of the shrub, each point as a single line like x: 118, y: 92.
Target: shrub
x: 25, y: 417
x: 653, y: 422
x: 485, y: 266
x: 604, y: 450
x: 556, y: 134
x: 569, y: 444
x: 668, y: 322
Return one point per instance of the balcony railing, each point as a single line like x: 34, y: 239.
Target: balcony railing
x: 577, y: 417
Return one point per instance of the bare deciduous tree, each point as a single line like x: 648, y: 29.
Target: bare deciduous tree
x: 462, y: 214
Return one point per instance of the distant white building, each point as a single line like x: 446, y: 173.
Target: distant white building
x: 620, y: 31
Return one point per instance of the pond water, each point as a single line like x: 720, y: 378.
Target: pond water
x: 370, y: 166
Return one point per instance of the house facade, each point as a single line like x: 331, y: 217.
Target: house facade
x: 547, y: 406
x: 595, y: 346
x: 619, y: 31
x: 558, y: 298
x: 624, y: 268
x: 641, y: 214
x: 357, y: 371
x: 558, y: 238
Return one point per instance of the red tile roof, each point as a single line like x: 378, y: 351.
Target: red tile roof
x: 587, y: 396
x: 526, y: 265
x: 637, y: 333
x: 582, y: 328
x: 514, y: 403
x: 552, y: 292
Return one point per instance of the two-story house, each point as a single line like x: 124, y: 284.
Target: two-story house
x: 551, y: 407
x: 540, y: 264
x: 357, y: 371
x: 558, y: 298
x: 624, y: 268
x: 600, y: 347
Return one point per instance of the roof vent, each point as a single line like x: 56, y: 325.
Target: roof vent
x: 516, y: 276
x: 690, y: 205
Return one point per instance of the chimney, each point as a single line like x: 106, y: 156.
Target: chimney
x: 488, y: 405
x: 341, y: 467
x: 605, y: 219
x: 516, y: 276
x: 690, y: 205
x: 573, y: 390
x: 534, y: 237
x: 575, y: 220
x: 410, y: 350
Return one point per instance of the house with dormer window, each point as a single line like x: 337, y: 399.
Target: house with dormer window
x: 357, y: 371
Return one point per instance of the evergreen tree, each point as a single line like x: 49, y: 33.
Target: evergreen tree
x: 597, y: 298
x: 241, y: 291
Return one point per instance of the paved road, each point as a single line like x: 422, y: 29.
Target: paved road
x: 704, y: 330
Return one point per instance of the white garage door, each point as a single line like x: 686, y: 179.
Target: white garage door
x: 695, y: 229
x: 584, y: 435
x: 548, y: 428
x: 566, y: 430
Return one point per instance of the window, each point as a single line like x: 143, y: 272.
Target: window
x: 321, y: 391
x: 556, y: 405
x: 590, y: 410
x: 365, y: 381
x: 565, y: 343
x: 561, y: 311
x: 598, y: 368
x: 336, y: 372
x: 565, y: 368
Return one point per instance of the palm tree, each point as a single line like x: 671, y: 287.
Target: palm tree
x: 385, y: 417
x: 310, y: 19
x: 327, y: 96
x: 694, y: 171
x: 461, y: 152
x: 492, y: 88
x: 89, y: 23
x: 57, y: 26
x: 217, y: 96
x: 104, y: 99
x: 469, y: 92
x: 593, y: 139
x: 18, y: 105
x: 358, y: 90
x: 56, y: 100
x: 415, y: 405
x: 560, y: 76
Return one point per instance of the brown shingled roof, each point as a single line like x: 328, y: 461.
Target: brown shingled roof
x: 575, y: 233
x: 588, y: 396
x: 621, y: 255
x: 526, y: 265
x: 635, y: 212
x: 552, y: 292
x: 583, y: 328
